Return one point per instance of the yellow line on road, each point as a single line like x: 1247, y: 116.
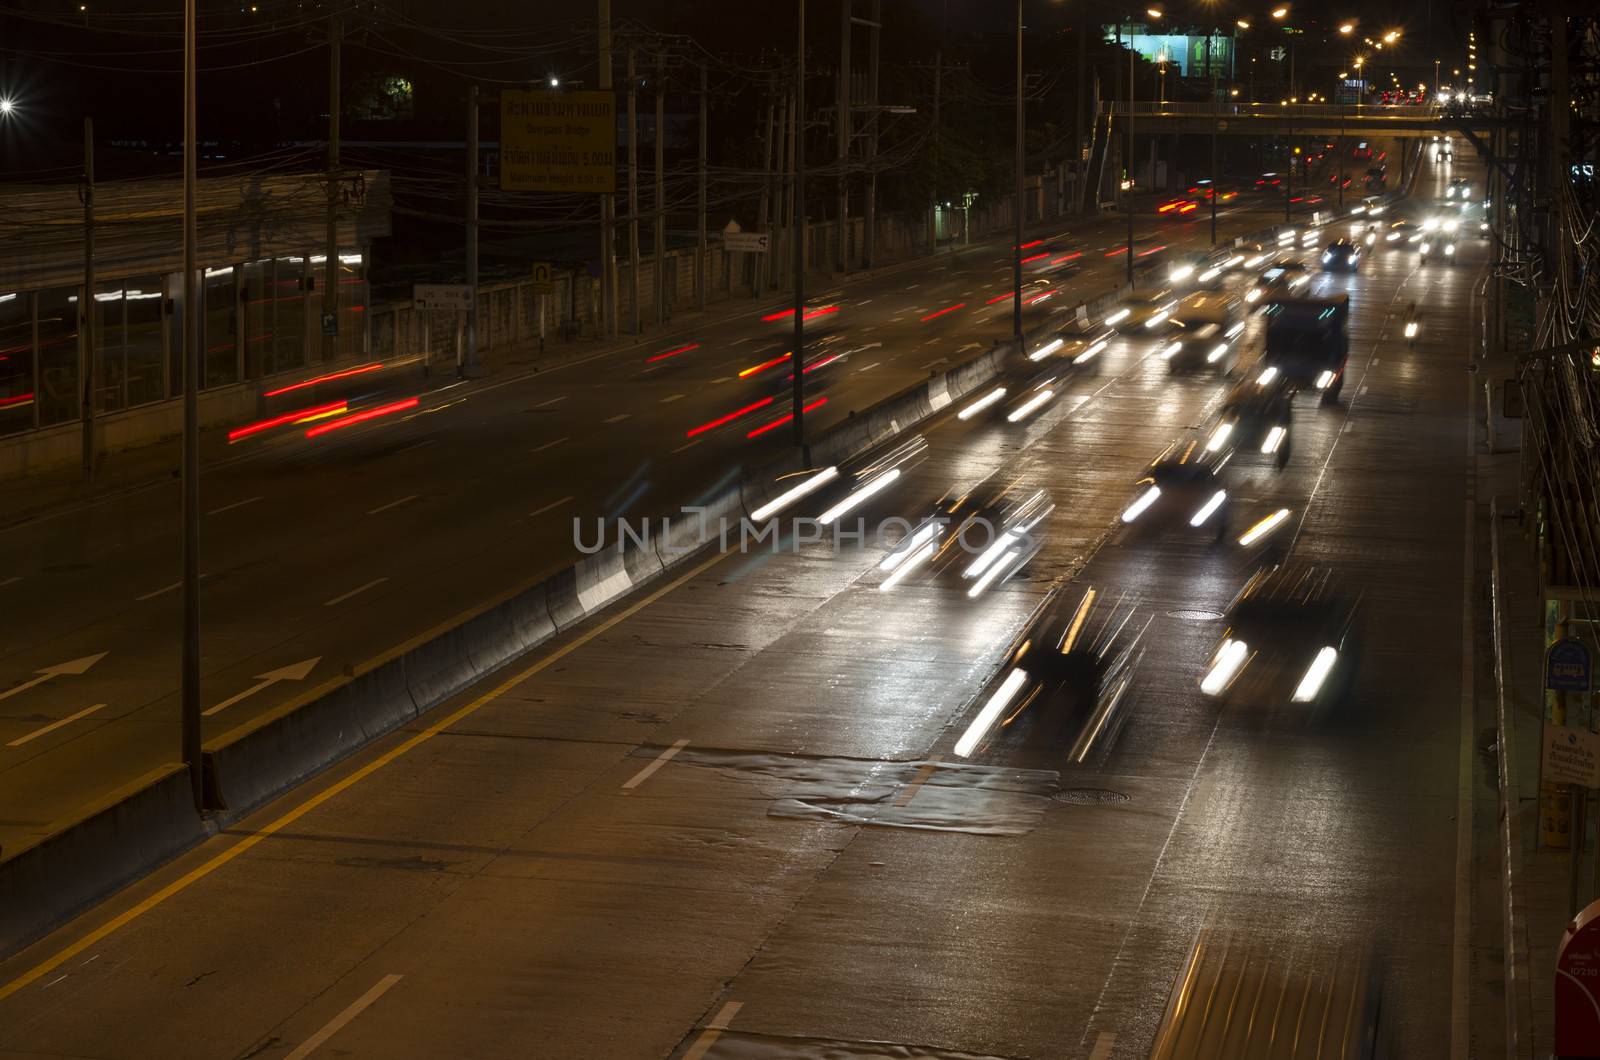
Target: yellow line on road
x: 200, y: 872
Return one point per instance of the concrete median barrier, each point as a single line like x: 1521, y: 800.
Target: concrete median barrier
x: 123, y: 836
x: 271, y: 753
x: 601, y: 578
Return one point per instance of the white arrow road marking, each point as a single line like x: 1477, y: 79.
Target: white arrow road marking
x: 70, y: 668
x: 54, y: 725
x: 292, y: 672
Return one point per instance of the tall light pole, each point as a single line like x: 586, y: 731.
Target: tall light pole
x: 189, y: 677
x: 1022, y: 203
x: 798, y: 361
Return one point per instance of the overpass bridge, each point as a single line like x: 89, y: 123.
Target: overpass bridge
x: 1299, y: 119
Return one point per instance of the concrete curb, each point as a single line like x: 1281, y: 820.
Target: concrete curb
x: 1514, y: 918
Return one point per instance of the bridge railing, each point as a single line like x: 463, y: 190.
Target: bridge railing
x: 1355, y: 113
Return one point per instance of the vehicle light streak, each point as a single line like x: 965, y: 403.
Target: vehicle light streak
x: 1157, y: 320
x: 1034, y: 257
x: 1075, y: 255
x: 360, y: 369
x: 1217, y: 354
x: 1257, y: 260
x: 1315, y: 675
x: 1211, y: 274
x: 1268, y: 374
x: 1230, y: 657
x: 1411, y: 329
x: 672, y: 353
x: 1324, y: 380
x: 1273, y: 439
x: 998, y: 702
x: 1000, y: 297
x: 1046, y: 350
x: 814, y: 365
x: 809, y: 313
x: 1235, y: 329
x: 986, y: 559
x: 1264, y: 527
x: 1114, y: 253
x: 1090, y: 353
x: 1219, y: 437
x: 1078, y: 617
x: 763, y: 366
x: 982, y: 403
x: 1029, y: 246
x: 730, y: 417
x: 988, y: 577
x: 860, y: 496
x: 18, y: 400
x: 937, y: 313
x: 362, y: 416
x: 1172, y: 351
x: 1041, y: 296
x: 1208, y: 509
x: 1027, y: 409
x: 922, y: 535
x: 788, y: 497
x: 1137, y: 508
x: 1151, y: 250
x: 903, y: 568
x: 775, y: 424
x: 1119, y: 316
x: 1180, y: 273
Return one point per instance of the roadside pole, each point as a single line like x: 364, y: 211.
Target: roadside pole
x: 608, y: 201
x: 470, y: 333
x: 798, y: 361
x: 190, y: 674
x: 86, y: 304
x: 330, y: 261
x: 700, y: 205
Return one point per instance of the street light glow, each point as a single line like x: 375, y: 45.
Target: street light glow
x: 1242, y: 24
x: 1280, y: 12
x: 555, y: 82
x: 6, y: 106
x: 1348, y: 28
x: 1153, y: 12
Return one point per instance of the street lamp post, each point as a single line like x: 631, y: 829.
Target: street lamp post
x: 1212, y: 68
x: 1022, y: 202
x: 798, y: 361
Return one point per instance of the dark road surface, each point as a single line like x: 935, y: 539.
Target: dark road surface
x: 321, y: 554
x: 728, y: 818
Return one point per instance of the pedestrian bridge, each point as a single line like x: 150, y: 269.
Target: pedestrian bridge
x: 1309, y: 119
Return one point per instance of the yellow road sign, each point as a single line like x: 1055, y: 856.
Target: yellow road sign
x: 558, y: 141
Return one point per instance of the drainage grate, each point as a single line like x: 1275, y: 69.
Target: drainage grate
x: 1196, y: 615
x: 1090, y: 797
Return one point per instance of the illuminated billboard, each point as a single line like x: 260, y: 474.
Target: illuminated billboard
x: 1186, y: 52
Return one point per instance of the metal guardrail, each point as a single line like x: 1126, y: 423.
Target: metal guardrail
x: 1348, y: 111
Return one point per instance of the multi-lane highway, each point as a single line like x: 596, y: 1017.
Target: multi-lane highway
x: 740, y: 815
x: 322, y: 551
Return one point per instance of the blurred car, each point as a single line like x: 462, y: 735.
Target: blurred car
x: 1201, y: 346
x: 1307, y: 339
x: 1290, y: 637
x: 1067, y: 680
x: 1069, y: 342
x: 1460, y: 188
x: 1177, y: 207
x: 1402, y: 232
x: 1281, y: 279
x: 1341, y: 255
x: 1255, y: 418
x: 978, y: 540
x: 1439, y: 249
x: 1181, y: 487
x: 1143, y: 309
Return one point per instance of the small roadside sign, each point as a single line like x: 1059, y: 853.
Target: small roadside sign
x: 748, y: 242
x: 450, y: 297
x: 1571, y: 756
x: 543, y: 280
x: 1568, y: 666
x: 330, y: 323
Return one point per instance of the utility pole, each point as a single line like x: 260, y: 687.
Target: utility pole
x: 633, y: 195
x: 869, y: 223
x: 700, y: 205
x: 659, y: 237
x: 608, y: 201
x: 189, y: 677
x: 841, y: 254
x: 1211, y: 68
x: 933, y: 194
x: 789, y: 186
x: 87, y: 304
x: 330, y: 261
x: 1127, y: 155
x: 469, y: 359
x: 1022, y: 203
x: 1078, y: 171
x: 798, y: 361
x: 759, y: 273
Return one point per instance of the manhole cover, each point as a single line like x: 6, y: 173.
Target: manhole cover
x: 1196, y: 615
x: 1089, y: 796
